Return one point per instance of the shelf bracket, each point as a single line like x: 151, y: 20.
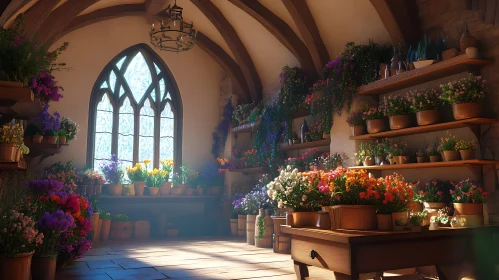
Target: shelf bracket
x: 477, y: 171
x: 476, y: 131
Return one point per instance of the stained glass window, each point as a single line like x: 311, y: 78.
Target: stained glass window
x: 127, y: 119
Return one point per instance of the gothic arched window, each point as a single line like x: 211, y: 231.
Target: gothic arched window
x: 135, y: 111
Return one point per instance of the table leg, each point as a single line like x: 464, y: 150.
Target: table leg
x: 341, y: 276
x: 301, y: 270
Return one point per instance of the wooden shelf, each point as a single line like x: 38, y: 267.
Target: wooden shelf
x: 18, y: 102
x: 247, y: 127
x: 307, y: 145
x: 43, y: 149
x: 6, y: 166
x: 254, y: 170
x: 428, y: 164
x: 11, y: 95
x: 471, y: 123
x: 432, y: 72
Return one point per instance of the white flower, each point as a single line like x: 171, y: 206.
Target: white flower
x: 280, y: 204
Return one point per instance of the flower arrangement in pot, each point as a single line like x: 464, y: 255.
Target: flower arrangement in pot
x: 433, y: 194
x: 366, y: 153
x: 11, y: 143
x: 421, y: 156
x: 190, y: 178
x: 137, y: 175
x: 155, y: 179
x: 291, y: 190
x: 331, y: 161
x: 178, y: 186
x: 68, y: 131
x: 121, y: 227
x: 357, y: 123
x: 48, y: 125
x: 465, y: 96
x: 379, y: 151
x: 466, y: 149
x: 448, y: 147
x: 166, y: 165
x: 398, y: 151
x: 425, y: 104
x: 433, y: 153
x: 240, y: 213
x: 315, y: 132
x: 398, y: 109
x: 64, y: 173
x: 375, y: 120
x: 113, y: 172
x: 468, y: 199
x: 393, y: 197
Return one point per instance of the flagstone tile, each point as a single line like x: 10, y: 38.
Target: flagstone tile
x: 139, y: 274
x: 101, y: 264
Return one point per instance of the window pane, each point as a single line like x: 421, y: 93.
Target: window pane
x: 138, y: 76
x: 112, y: 81
x: 166, y: 133
x: 104, y: 85
x: 122, y: 91
x: 162, y: 88
x: 157, y: 69
x: 125, y: 132
x: 103, y: 131
x: 120, y: 63
x: 146, y: 135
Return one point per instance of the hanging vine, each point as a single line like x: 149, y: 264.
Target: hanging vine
x: 261, y: 227
x: 222, y: 131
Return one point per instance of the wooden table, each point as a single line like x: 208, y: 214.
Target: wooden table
x: 350, y: 253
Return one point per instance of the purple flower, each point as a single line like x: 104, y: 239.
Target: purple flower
x: 45, y: 87
x: 57, y: 221
x: 45, y: 187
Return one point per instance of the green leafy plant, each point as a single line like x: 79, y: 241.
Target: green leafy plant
x: 241, y: 113
x: 105, y: 216
x: 448, y: 143
x: 261, y: 227
x: 120, y: 218
x: 366, y: 151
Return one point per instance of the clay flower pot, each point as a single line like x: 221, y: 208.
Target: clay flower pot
x: 51, y: 139
x: 358, y: 130
x: 368, y: 162
x: 355, y: 217
x: 421, y: 159
x: 43, y: 268
x: 165, y: 189
x: 399, y: 121
x: 451, y: 155
x: 466, y: 110
x: 304, y: 219
x: 375, y: 126
x: 62, y: 140
x: 37, y: 139
x: 468, y: 209
x: 188, y: 191
x: 427, y: 117
x: 467, y: 154
x: 403, y: 159
x: 104, y: 230
x: 384, y: 222
x: 433, y: 207
x: 114, y: 189
x: 7, y: 152
x: 139, y: 188
x: 18, y: 268
x: 435, y: 158
x: 153, y: 191
x: 121, y: 230
x: 400, y: 219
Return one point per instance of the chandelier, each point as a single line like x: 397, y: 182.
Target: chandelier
x: 177, y: 35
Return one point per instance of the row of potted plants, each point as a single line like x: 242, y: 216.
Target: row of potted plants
x: 48, y: 128
x: 353, y: 198
x: 313, y: 159
x: 464, y: 95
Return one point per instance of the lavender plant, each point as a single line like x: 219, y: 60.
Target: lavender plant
x: 113, y: 170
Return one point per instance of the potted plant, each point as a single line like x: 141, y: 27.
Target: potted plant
x: 121, y: 227
x: 357, y: 123
x: 241, y: 113
x: 468, y: 199
x: 425, y: 104
x: 433, y: 153
x: 442, y: 218
x: 11, y: 139
x: 379, y: 152
x: 366, y: 153
x: 290, y: 190
x: 421, y: 156
x: 466, y: 149
x: 399, y: 151
x: 106, y: 226
x: 62, y: 136
x: 433, y: 195
x: 155, y: 179
x: 49, y: 125
x: 137, y: 175
x: 374, y: 120
x: 416, y: 220
x: 69, y: 130
x: 177, y: 184
x: 113, y: 172
x: 166, y: 187
x: 465, y: 96
x: 392, y: 202
x: 190, y: 179
x: 238, y: 206
x: 397, y: 108
x: 448, y: 148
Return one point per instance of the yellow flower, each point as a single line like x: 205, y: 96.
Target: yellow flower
x: 147, y: 161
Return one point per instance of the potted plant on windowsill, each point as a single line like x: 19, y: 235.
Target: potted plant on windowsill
x: 113, y: 172
x: 189, y: 179
x: 166, y: 187
x: 155, y: 178
x: 137, y: 175
x: 177, y: 184
x: 398, y: 109
x: 465, y: 96
x: 425, y: 104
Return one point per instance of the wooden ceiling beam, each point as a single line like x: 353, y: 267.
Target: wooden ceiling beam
x: 10, y: 8
x: 235, y: 44
x: 401, y: 20
x: 205, y: 43
x: 304, y: 20
x: 152, y: 8
x: 36, y: 15
x: 282, y: 31
x: 59, y: 19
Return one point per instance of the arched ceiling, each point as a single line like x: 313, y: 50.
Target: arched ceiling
x: 272, y: 33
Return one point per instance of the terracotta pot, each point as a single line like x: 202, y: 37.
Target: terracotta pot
x: 18, y: 268
x: 358, y: 130
x: 416, y: 206
x: 466, y: 110
x: 304, y: 219
x: 384, y: 222
x: 141, y: 230
x: 62, y: 140
x: 400, y: 219
x: 188, y: 191
x: 472, y: 52
x: 368, y: 162
x: 104, y: 230
x: 379, y: 159
x: 289, y: 219
x: 43, y: 268
x: 435, y: 158
x: 433, y: 207
x: 468, y: 209
x: 52, y: 140
x: 121, y: 230
x: 95, y: 226
x: 403, y: 159
x: 399, y: 121
x: 467, y: 154
x: 7, y: 152
x: 451, y: 155
x: 233, y: 227
x: 250, y: 229
x: 131, y: 189
x: 241, y: 225
x: 355, y: 217
x: 37, y: 139
x: 177, y: 191
x: 323, y: 221
x: 376, y: 126
x: 421, y: 159
x: 153, y: 191
x: 139, y: 188
x: 114, y: 189
x: 427, y: 117
x: 165, y: 189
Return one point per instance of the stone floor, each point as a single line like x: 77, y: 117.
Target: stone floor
x: 205, y: 258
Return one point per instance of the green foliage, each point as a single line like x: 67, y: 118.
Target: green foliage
x: 105, y: 216
x: 261, y: 227
x: 120, y: 218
